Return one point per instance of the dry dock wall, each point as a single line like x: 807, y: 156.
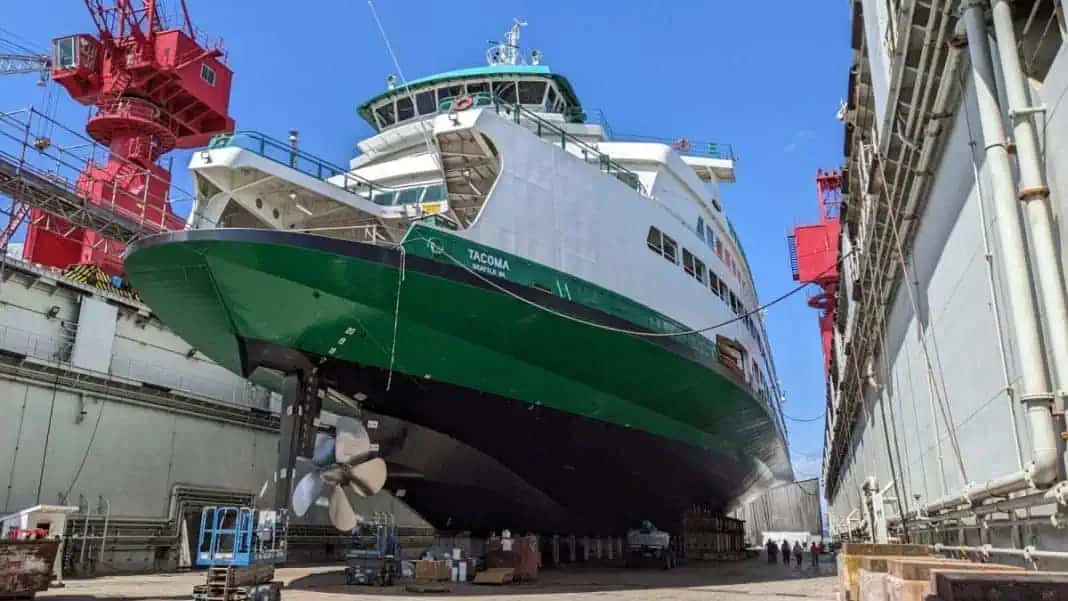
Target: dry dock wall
x: 87, y: 421
x: 937, y: 414
x: 793, y: 507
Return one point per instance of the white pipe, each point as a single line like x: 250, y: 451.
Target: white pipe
x: 1034, y: 387
x: 1034, y: 193
x: 1056, y: 495
x: 910, y: 204
x: 988, y: 258
x: 104, y: 536
x: 988, y: 550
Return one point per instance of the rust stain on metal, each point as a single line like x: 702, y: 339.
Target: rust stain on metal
x: 26, y: 566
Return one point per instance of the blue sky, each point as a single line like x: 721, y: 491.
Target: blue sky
x: 764, y: 77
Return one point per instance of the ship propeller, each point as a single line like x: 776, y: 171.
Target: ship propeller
x: 347, y: 461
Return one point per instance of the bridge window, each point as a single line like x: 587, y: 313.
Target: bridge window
x: 385, y: 114
x: 550, y: 99
x: 531, y: 92
x: 481, y: 87
x: 405, y: 109
x: 505, y: 90
x: 207, y: 74
x: 424, y: 101
x: 448, y: 92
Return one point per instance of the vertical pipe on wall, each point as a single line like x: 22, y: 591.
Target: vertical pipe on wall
x: 1034, y: 193
x: 988, y: 256
x: 1034, y: 381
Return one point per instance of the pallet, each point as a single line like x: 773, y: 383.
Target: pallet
x: 495, y: 576
x: 246, y: 583
x: 267, y: 591
x: 426, y: 587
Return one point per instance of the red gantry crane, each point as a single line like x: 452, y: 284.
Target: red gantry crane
x: 156, y: 84
x: 814, y: 256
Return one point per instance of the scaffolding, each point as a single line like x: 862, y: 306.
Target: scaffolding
x: 46, y: 166
x: 885, y: 185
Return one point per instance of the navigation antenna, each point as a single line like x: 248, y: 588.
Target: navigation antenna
x: 507, y: 52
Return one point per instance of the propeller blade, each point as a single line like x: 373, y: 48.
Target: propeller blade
x: 368, y: 477
x: 324, y: 450
x: 342, y: 514
x: 352, y: 440
x: 308, y: 489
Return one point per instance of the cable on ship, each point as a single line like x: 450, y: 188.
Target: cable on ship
x: 441, y: 251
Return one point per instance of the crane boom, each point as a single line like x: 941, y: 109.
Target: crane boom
x: 17, y: 64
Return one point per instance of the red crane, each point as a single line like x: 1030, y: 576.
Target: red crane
x: 814, y: 255
x: 156, y: 84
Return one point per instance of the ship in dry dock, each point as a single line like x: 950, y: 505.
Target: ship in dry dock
x: 944, y: 321
x: 493, y: 268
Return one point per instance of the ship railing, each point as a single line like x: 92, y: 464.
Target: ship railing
x: 681, y: 145
x: 544, y: 128
x: 287, y: 154
x: 57, y: 349
x: 685, y: 146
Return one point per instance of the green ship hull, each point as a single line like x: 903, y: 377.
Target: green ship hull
x: 489, y: 349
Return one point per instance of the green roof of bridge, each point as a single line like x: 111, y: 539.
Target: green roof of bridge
x: 487, y: 72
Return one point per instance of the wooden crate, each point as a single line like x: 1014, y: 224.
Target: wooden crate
x: 889, y: 549
x: 871, y: 586
x: 900, y: 589
x: 1004, y: 586
x: 920, y: 568
x: 849, y: 567
x: 857, y: 556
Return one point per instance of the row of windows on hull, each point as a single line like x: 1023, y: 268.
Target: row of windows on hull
x: 708, y: 234
x: 665, y: 246
x: 538, y: 94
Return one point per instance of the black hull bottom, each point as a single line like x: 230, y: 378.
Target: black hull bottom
x: 552, y: 472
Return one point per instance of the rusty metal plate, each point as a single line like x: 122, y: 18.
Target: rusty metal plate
x: 26, y: 566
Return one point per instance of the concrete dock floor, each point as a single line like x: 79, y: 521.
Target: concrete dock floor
x: 752, y: 580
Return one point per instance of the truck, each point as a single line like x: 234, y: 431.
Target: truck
x: 646, y: 545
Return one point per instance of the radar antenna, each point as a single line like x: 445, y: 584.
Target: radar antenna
x: 507, y: 52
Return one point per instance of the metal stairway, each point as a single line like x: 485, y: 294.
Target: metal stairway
x: 470, y: 164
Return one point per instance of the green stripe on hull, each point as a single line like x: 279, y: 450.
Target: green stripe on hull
x: 341, y: 306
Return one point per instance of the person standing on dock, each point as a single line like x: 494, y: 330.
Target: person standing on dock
x: 798, y: 552
x: 772, y: 549
x: 814, y: 551
x: 785, y: 548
